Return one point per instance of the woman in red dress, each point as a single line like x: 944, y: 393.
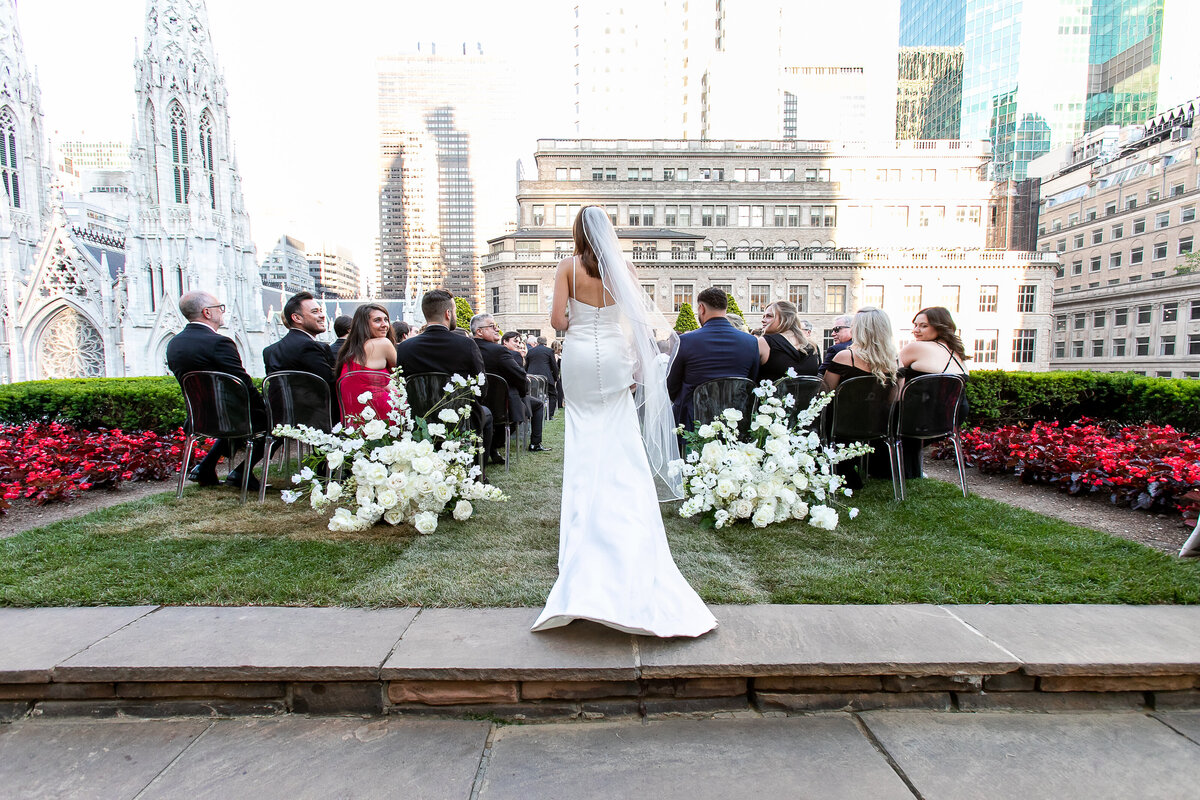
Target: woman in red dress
x: 365, y: 362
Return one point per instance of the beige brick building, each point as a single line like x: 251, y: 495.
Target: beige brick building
x: 830, y: 226
x: 1120, y: 212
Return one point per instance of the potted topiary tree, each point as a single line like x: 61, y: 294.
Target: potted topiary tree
x: 686, y: 321
x: 463, y: 313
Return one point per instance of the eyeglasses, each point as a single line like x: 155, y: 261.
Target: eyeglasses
x: 485, y: 327
x: 220, y: 306
x: 837, y: 328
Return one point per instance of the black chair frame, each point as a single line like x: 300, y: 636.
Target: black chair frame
x: 864, y: 425
x: 277, y: 387
x: 216, y: 420
x: 933, y: 413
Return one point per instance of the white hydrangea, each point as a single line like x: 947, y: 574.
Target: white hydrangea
x: 823, y: 517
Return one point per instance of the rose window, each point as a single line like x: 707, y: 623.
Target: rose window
x: 71, y: 347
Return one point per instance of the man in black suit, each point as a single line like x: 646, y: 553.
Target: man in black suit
x: 533, y: 408
x: 438, y: 349
x: 841, y: 340
x: 299, y: 349
x: 341, y: 328
x: 540, y: 361
x: 503, y: 361
x: 199, y: 347
x: 717, y: 350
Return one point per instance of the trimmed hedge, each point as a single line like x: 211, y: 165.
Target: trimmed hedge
x: 133, y: 404
x: 998, y: 398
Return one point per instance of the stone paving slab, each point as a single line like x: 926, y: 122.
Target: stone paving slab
x: 1093, y: 639
x: 826, y: 757
x: 230, y: 644
x: 827, y: 640
x: 989, y: 755
x: 34, y: 640
x: 1186, y: 722
x: 496, y: 644
x: 296, y: 757
x: 80, y: 760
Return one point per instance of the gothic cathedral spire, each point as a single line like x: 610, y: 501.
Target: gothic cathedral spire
x: 24, y: 177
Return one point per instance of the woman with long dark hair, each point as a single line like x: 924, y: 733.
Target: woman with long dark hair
x: 365, y: 361
x: 935, y: 349
x: 614, y: 563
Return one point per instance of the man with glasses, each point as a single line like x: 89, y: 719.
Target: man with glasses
x: 841, y: 340
x: 505, y: 362
x: 198, y: 347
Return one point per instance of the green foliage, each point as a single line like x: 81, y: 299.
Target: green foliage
x: 734, y: 308
x: 997, y: 398
x: 153, y: 404
x: 686, y: 321
x: 463, y: 313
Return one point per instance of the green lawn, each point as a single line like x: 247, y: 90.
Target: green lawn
x: 934, y: 548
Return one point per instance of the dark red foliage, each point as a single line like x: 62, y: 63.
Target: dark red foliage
x: 50, y: 461
x: 1148, y: 467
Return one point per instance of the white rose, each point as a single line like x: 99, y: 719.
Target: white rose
x: 426, y: 522
x: 387, y: 498
x: 375, y: 429
x: 448, y: 415
x: 462, y: 510
x: 726, y: 488
x: 397, y: 481
x: 422, y: 465
x: 762, y: 421
x: 853, y: 513
x: 800, y: 510
x: 706, y: 431
x: 288, y: 496
x: 365, y: 494
x: 823, y: 517
x: 375, y: 473
x: 436, y: 429
x: 742, y: 508
x: 443, y: 492
x: 334, y: 491
x: 732, y: 414
x: 800, y: 480
x: 722, y: 517
x: 368, y: 413
x: 394, y: 516
x: 763, y: 517
x: 365, y: 397
x: 335, y: 459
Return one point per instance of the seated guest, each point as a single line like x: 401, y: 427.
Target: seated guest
x: 841, y: 340
x: 299, y: 349
x: 198, y: 347
x: 533, y: 409
x: 560, y: 398
x: 783, y: 344
x: 736, y: 321
x: 437, y: 349
x: 935, y: 349
x: 401, y: 331
x: 501, y: 359
x: 365, y: 362
x: 341, y: 327
x: 807, y: 327
x: 541, y: 361
x: 716, y: 350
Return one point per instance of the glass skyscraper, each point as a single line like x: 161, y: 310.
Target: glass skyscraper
x: 1124, y: 61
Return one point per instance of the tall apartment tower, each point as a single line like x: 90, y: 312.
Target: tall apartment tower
x: 447, y: 144
x: 1039, y: 75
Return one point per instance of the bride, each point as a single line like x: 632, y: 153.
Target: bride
x: 614, y: 563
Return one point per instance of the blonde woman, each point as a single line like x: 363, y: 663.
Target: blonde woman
x: 783, y: 345
x: 872, y: 354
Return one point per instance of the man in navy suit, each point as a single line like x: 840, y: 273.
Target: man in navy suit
x: 299, y: 349
x: 199, y: 347
x: 717, y: 350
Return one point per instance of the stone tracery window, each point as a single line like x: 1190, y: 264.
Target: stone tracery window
x: 8, y: 158
x: 153, y: 149
x: 206, y: 156
x: 71, y: 347
x: 179, y: 153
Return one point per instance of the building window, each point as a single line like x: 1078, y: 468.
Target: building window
x: 1160, y: 251
x: 560, y: 174
x: 1162, y: 219
x: 798, y: 296
x: 1024, y: 344
x: 988, y: 298
x: 1139, y: 226
x: 1097, y: 348
x: 1114, y: 260
x: 835, y: 299
x: 669, y: 215
x: 1118, y: 348
x: 179, y: 153
x: 560, y: 216
x: 1194, y: 344
x: 641, y: 216
x: 1060, y: 349
x: 950, y: 297
x: 1187, y: 214
x: 684, y: 250
x: 8, y: 158
x: 1079, y: 321
x: 760, y: 297
x: 1170, y: 312
x: 1141, y: 346
x: 495, y: 300
x: 1099, y: 318
x: 1026, y: 299
x: 527, y: 298
x: 1177, y: 190
x: 1077, y: 267
x: 1166, y: 345
x: 1136, y: 255
x: 1117, y: 231
x: 1098, y: 236
x: 873, y: 295
x: 1076, y: 349
x: 538, y: 215
x: 1195, y: 313
x: 206, y: 157
x: 645, y: 250
x: 986, y: 346
x: 597, y: 173
x: 912, y: 299
x: 1078, y: 241
x: 648, y: 288
x: 823, y: 216
x: 1143, y: 315
x: 1094, y: 264
x: 1110, y: 208
x: 1121, y: 317
x: 684, y: 217
x: 1185, y: 245
x: 1131, y: 202
x: 1060, y: 322
x: 683, y: 294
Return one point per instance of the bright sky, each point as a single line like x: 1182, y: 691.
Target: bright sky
x: 301, y: 81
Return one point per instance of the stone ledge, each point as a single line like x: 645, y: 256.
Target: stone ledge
x: 57, y: 691
x: 1010, y: 682
x: 578, y: 690
x: 514, y: 712
x: 186, y: 689
x: 1175, y: 701
x: 1113, y: 683
x: 107, y: 709
x: 817, y: 683
x: 852, y: 701
x: 1052, y: 701
x: 446, y: 693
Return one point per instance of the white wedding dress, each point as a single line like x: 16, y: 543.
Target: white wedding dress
x: 614, y: 563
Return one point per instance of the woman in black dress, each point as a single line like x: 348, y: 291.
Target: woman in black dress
x: 935, y: 349
x: 783, y: 344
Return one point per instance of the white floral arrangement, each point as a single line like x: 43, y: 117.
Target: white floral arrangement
x: 779, y: 473
x: 403, y: 469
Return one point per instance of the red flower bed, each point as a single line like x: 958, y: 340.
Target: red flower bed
x: 1143, y: 466
x: 50, y: 461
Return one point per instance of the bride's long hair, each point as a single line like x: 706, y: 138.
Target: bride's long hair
x: 587, y: 256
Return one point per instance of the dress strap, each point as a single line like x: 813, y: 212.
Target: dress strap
x: 850, y: 350
x: 574, y: 264
x: 952, y: 358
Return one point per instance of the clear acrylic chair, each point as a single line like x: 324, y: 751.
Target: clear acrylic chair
x: 218, y: 407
